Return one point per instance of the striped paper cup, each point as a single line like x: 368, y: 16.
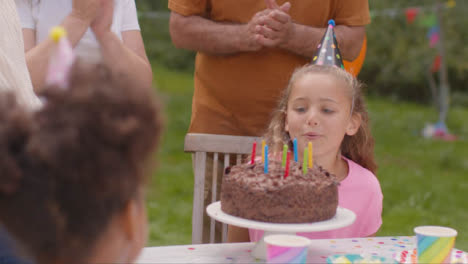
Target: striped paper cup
x: 286, y: 248
x: 434, y: 243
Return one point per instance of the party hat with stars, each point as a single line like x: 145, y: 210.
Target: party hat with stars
x: 61, y: 60
x: 327, y: 51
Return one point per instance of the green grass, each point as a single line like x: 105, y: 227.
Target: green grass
x: 423, y: 181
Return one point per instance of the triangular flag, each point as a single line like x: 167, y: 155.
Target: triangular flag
x: 436, y: 64
x: 411, y: 14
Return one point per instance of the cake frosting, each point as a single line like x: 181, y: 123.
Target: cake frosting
x: 250, y: 193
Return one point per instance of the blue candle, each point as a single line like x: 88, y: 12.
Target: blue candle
x: 266, y: 159
x: 295, y: 149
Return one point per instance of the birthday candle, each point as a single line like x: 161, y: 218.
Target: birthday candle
x: 263, y: 150
x: 286, y: 171
x: 254, y: 147
x: 311, y: 165
x: 285, y: 149
x: 265, y: 169
x: 295, y: 149
x: 304, y: 161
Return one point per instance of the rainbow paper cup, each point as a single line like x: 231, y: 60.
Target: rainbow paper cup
x: 286, y: 248
x: 434, y: 243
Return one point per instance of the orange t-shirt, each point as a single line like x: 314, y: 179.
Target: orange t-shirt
x: 236, y: 94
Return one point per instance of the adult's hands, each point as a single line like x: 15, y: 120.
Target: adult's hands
x: 275, y: 27
x: 249, y: 33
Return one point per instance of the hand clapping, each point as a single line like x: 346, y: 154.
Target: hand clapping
x: 85, y: 10
x: 274, y: 25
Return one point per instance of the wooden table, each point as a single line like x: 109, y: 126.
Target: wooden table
x: 400, y: 247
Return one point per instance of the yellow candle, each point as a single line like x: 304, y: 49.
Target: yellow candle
x: 263, y: 150
x: 311, y: 165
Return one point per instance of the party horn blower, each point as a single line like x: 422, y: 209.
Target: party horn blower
x: 61, y: 60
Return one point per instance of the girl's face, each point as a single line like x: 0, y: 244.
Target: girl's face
x: 319, y: 112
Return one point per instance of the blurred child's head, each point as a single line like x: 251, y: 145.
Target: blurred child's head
x: 324, y: 105
x: 72, y: 174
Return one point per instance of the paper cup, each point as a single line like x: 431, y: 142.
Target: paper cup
x: 434, y: 243
x: 286, y: 248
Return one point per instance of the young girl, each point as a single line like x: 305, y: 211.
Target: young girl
x: 324, y: 105
x: 72, y: 174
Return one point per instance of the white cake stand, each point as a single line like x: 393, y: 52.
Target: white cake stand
x: 344, y: 217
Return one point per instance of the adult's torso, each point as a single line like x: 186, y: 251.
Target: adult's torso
x: 236, y: 94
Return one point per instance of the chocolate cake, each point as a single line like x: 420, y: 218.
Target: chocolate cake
x: 249, y: 193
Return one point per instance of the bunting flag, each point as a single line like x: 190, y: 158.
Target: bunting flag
x: 433, y: 35
x: 436, y: 64
x: 450, y: 4
x: 411, y: 14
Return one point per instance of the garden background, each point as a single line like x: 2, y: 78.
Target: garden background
x: 424, y: 181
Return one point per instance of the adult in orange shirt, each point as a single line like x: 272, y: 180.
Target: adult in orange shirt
x: 247, y: 50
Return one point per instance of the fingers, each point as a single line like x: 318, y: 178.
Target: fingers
x: 266, y: 42
x: 266, y: 32
x: 280, y: 16
x: 271, y: 23
x: 271, y: 4
x: 285, y: 7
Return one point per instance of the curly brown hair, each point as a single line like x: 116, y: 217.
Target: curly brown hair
x: 67, y: 169
x: 359, y: 147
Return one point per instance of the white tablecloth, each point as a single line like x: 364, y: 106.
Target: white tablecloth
x: 389, y: 247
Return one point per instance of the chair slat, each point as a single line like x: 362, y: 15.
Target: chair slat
x: 214, y: 188
x: 198, y: 195
x: 220, y: 143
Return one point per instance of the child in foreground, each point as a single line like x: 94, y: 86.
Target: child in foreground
x: 73, y: 173
x: 324, y: 105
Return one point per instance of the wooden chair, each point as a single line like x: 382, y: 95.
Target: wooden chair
x: 220, y: 145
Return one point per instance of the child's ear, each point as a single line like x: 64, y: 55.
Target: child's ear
x: 354, y: 124
x: 286, y: 126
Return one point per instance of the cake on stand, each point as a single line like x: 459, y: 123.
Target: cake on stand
x: 344, y: 217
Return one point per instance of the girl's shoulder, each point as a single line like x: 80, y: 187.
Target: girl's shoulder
x: 360, y: 175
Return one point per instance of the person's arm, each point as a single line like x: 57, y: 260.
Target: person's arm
x: 200, y: 34
x: 278, y: 29
x: 127, y: 56
x: 37, y: 56
x: 237, y: 234
x: 305, y: 39
x: 76, y: 24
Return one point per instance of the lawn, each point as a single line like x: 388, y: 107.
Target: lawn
x: 423, y: 181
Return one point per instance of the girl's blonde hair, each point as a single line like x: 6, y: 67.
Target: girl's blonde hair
x: 359, y: 147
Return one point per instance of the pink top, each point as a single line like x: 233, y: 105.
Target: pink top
x: 360, y: 192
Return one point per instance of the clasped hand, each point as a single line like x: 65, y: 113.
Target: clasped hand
x: 272, y: 27
x: 97, y: 14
